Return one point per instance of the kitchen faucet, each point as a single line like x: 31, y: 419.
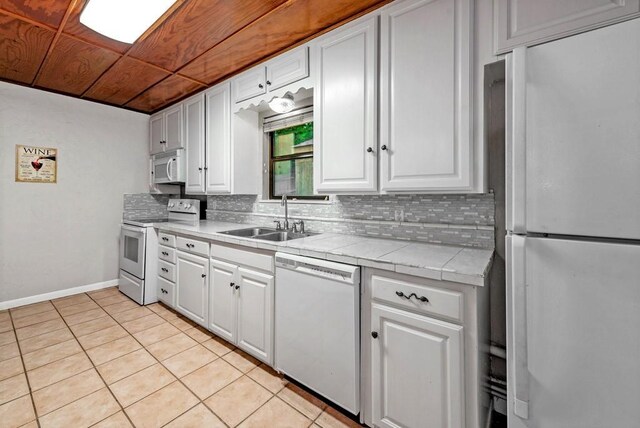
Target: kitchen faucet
x: 286, y: 211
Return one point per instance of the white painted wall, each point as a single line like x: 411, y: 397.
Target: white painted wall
x: 58, y: 236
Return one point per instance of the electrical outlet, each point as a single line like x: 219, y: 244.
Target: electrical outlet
x: 399, y: 215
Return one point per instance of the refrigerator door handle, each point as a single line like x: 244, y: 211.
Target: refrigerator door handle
x: 516, y: 88
x: 517, y: 282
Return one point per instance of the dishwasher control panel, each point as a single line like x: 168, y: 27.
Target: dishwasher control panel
x: 318, y: 267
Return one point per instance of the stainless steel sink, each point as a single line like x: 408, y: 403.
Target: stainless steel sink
x: 250, y: 232
x: 267, y: 234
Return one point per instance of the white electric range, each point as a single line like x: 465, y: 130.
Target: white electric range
x: 139, y: 250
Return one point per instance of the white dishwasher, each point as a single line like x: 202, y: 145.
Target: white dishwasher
x: 317, y: 326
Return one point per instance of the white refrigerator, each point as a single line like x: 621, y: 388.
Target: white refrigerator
x: 573, y: 222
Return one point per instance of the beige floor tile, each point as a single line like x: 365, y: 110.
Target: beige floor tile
x: 10, y: 368
x: 118, y: 420
x: 7, y: 337
x: 198, y: 417
x: 50, y: 354
x: 218, y: 346
x: 5, y: 316
x: 187, y: 361
x: 58, y: 370
x: 113, y: 298
x: 139, y: 385
x: 126, y: 365
x: 238, y: 400
x: 198, y: 334
x: 301, y: 400
x: 103, y: 336
x: 101, y: 294
x: 211, y: 378
x: 171, y: 346
x: 36, y: 318
x: 276, y: 413
x: 29, y: 310
x: 83, y: 412
x: 84, y: 316
x: 143, y: 323
x: 17, y: 413
x: 76, y: 309
x: 66, y: 391
x: 44, y: 340
x: 32, y: 424
x: 268, y: 378
x: 13, y: 388
x: 331, y: 418
x: 120, y: 307
x: 92, y: 326
x: 162, y: 406
x: 241, y: 360
x: 131, y: 314
x: 155, y: 334
x: 163, y: 311
x: 40, y: 328
x: 9, y: 351
x: 183, y: 324
x: 71, y: 300
x: 6, y: 325
x: 111, y: 350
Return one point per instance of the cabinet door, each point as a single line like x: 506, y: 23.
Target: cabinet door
x: 346, y: 114
x: 530, y: 22
x: 156, y: 133
x: 192, y: 285
x: 218, y: 139
x: 288, y: 68
x: 425, y: 78
x: 249, y: 84
x: 222, y: 300
x: 417, y: 370
x: 173, y: 128
x: 194, y: 142
x: 255, y: 314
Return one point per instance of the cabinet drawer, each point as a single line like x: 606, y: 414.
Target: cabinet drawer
x: 241, y: 257
x: 166, y: 239
x: 193, y: 246
x: 167, y: 270
x: 440, y: 302
x: 167, y: 254
x: 166, y: 292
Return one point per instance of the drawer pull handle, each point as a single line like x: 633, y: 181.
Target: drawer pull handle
x: 164, y: 253
x: 421, y: 298
x: 164, y: 269
x: 165, y: 239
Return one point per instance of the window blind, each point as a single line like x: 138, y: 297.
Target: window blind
x: 286, y: 120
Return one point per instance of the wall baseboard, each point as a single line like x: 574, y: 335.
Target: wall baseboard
x: 57, y: 294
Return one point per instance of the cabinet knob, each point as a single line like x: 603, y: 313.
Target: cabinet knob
x: 369, y: 149
x: 383, y: 147
x: 204, y: 275
x: 374, y: 334
x: 199, y: 169
x: 260, y: 85
x: 268, y: 83
x: 232, y: 284
x: 237, y: 287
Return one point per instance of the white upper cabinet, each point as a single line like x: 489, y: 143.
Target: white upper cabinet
x: 530, y: 22
x: 280, y: 71
x: 425, y: 90
x: 218, y: 139
x: 166, y: 131
x: 287, y: 68
x: 345, y: 113
x: 194, y: 114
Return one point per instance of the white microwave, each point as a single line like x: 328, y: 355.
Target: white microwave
x: 169, y: 167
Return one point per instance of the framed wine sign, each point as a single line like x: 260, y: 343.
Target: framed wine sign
x: 36, y: 164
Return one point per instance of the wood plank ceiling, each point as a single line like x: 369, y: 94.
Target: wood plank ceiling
x: 196, y: 44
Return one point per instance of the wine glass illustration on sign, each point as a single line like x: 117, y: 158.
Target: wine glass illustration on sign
x: 37, y: 164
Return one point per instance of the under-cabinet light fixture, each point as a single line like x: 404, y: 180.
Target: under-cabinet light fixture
x: 123, y: 20
x: 282, y: 104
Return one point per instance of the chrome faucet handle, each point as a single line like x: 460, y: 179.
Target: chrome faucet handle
x: 278, y: 224
x: 298, y: 223
x: 294, y: 228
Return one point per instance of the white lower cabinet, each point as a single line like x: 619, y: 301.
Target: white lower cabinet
x: 417, y: 370
x: 192, y: 287
x: 241, y: 299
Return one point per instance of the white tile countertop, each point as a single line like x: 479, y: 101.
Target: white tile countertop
x: 442, y: 262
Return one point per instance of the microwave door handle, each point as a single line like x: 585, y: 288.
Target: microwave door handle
x: 169, y: 169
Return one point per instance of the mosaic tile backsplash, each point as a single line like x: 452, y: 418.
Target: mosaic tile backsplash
x: 145, y: 205
x: 466, y: 220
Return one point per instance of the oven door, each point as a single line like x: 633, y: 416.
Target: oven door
x: 132, y: 250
